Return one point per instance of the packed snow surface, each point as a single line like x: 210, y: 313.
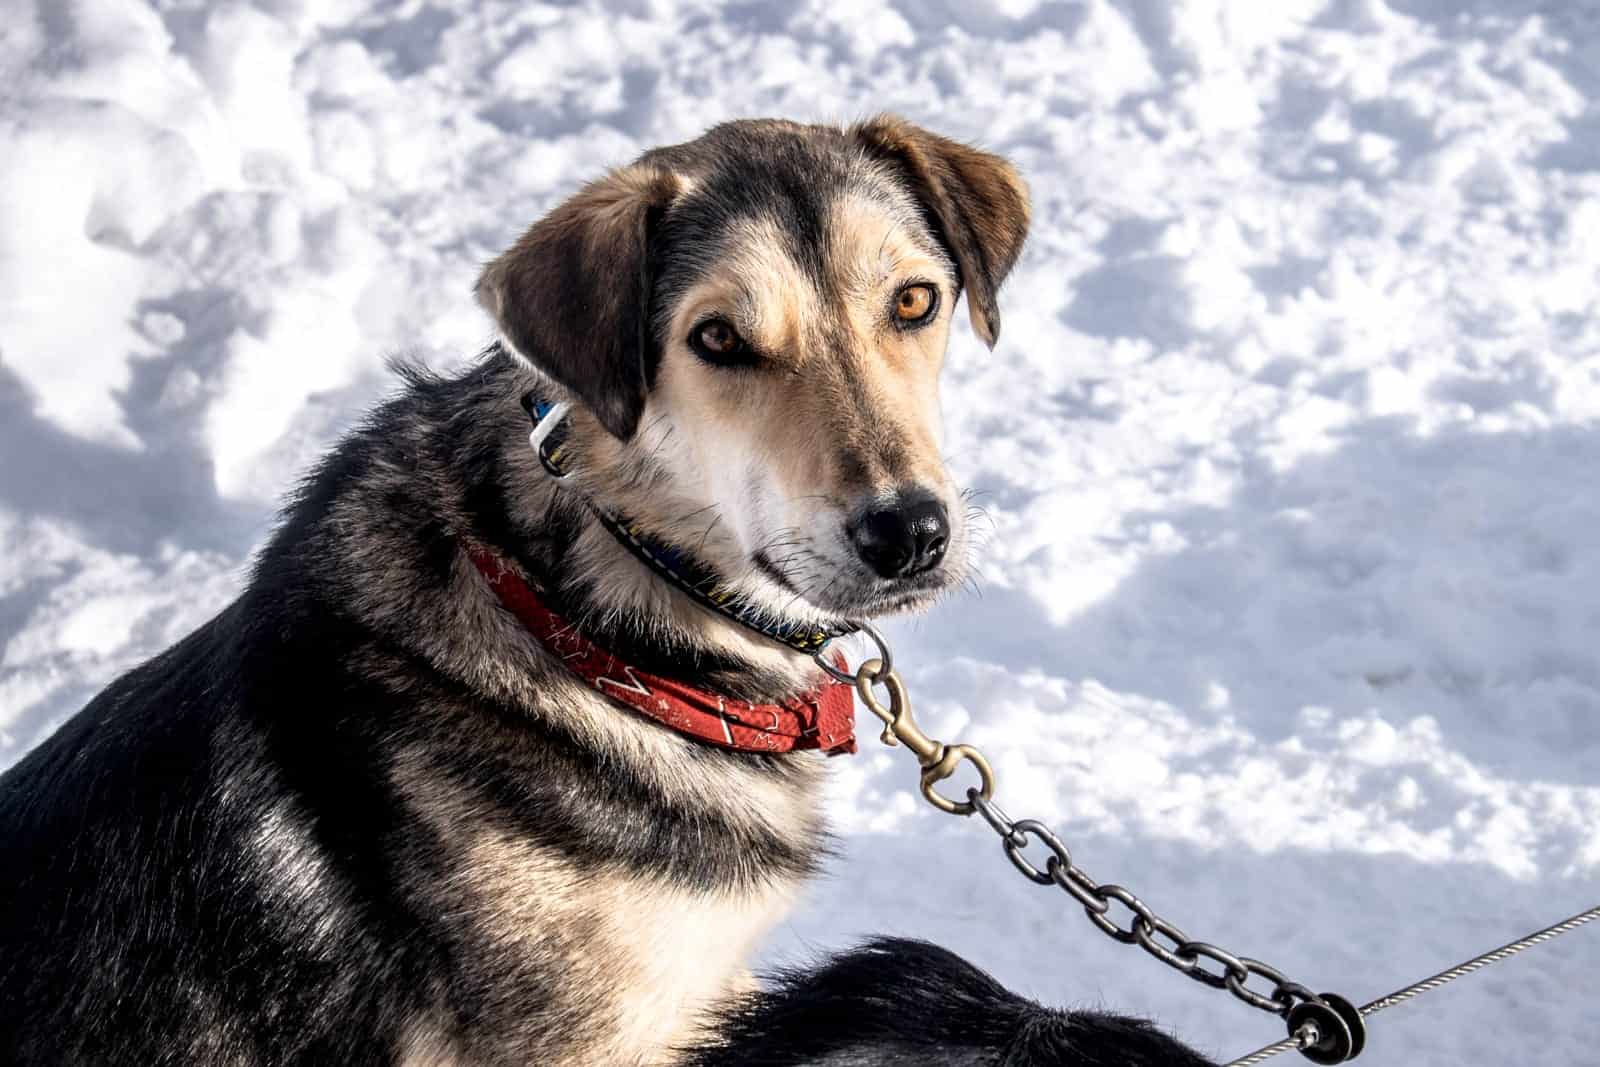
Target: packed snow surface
x: 1290, y: 609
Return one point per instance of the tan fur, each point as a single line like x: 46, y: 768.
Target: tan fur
x: 812, y: 383
x: 839, y: 414
x: 425, y: 1044
x: 640, y: 962
x: 979, y: 199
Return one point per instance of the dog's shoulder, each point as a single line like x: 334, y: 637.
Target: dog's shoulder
x: 214, y: 803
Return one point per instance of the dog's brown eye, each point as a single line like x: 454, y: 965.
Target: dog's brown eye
x: 716, y: 341
x: 915, y: 304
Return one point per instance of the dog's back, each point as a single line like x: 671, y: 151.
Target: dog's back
x: 86, y: 947
x: 896, y: 1003
x: 162, y: 901
x: 201, y: 865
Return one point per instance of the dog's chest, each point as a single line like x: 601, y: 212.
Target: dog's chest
x: 592, y: 966
x: 687, y: 953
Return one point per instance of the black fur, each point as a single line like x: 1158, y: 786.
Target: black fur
x: 776, y: 171
x: 900, y: 1003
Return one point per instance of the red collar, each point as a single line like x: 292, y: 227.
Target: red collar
x: 823, y: 718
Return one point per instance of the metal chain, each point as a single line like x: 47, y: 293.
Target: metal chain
x: 1428, y: 985
x: 1324, y: 1027
x: 1156, y: 935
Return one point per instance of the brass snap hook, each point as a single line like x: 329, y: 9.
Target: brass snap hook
x: 938, y: 760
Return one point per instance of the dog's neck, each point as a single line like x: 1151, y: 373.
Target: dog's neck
x: 677, y: 565
x: 456, y: 451
x: 621, y: 604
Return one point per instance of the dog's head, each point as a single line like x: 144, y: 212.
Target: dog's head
x: 755, y: 321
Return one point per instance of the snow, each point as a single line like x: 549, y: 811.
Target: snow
x: 1291, y: 600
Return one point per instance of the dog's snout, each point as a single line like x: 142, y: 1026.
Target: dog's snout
x: 907, y: 537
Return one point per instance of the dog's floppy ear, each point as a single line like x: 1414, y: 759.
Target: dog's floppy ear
x: 572, y: 296
x: 976, y: 199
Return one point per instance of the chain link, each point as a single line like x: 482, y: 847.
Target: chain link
x: 1232, y: 965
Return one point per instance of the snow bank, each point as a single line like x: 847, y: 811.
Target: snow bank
x: 1289, y: 601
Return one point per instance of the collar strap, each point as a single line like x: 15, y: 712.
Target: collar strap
x: 823, y: 718
x: 688, y: 575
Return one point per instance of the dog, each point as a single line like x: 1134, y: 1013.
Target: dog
x: 510, y: 754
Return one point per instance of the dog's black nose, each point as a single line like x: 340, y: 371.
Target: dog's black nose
x: 905, y: 538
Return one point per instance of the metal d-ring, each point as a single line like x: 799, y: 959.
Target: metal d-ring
x: 885, y: 657
x: 547, y: 425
